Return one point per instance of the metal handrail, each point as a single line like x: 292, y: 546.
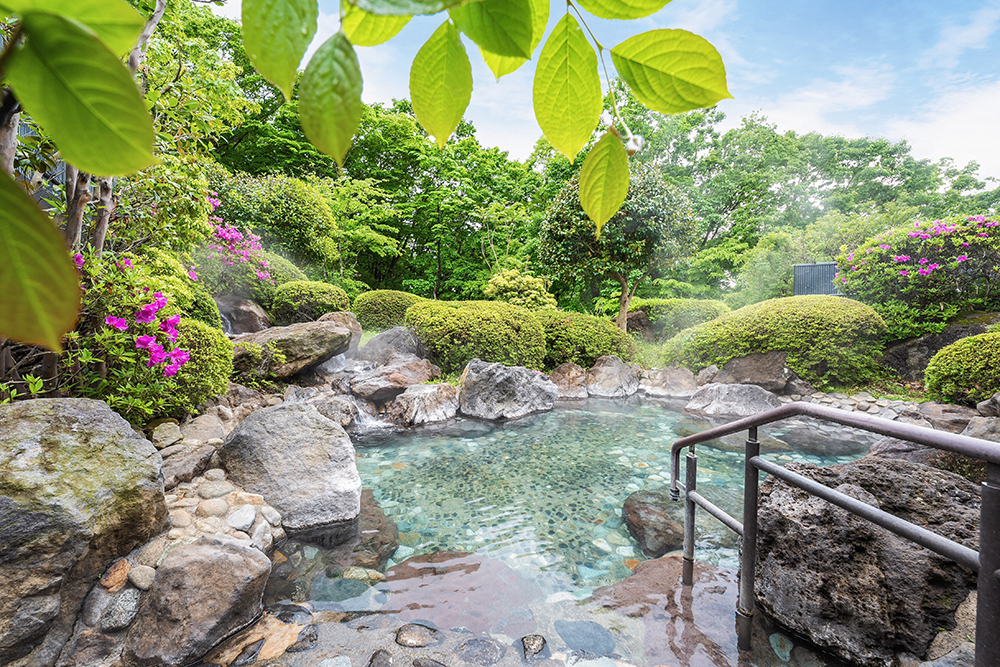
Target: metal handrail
x: 986, y: 561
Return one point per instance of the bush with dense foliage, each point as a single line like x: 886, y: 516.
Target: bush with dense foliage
x: 175, y: 275
x: 306, y: 301
x: 207, y: 372
x: 967, y: 371
x: 383, y: 308
x: 456, y: 332
x: 520, y: 289
x: 829, y: 340
x: 670, y: 316
x: 920, y: 276
x: 581, y: 339
x: 245, y: 279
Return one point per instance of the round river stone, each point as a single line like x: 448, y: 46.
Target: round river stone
x: 414, y: 635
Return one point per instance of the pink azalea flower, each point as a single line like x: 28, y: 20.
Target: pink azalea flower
x: 119, y: 323
x: 156, y: 355
x: 146, y: 314
x: 78, y: 260
x: 923, y: 260
x: 171, y: 370
x: 144, y: 342
x: 179, y: 357
x: 961, y: 258
x: 904, y: 272
x: 901, y: 258
x: 126, y: 263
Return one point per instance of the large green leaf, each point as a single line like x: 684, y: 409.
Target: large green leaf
x: 330, y: 97
x: 39, y: 288
x: 441, y: 83
x: 503, y: 65
x: 623, y: 9
x: 567, y: 89
x: 276, y: 34
x: 672, y: 71
x: 364, y: 29
x: 405, y: 7
x: 81, y: 93
x: 117, y: 24
x: 503, y: 27
x: 604, y: 179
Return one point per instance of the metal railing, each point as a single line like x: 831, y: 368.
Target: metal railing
x: 986, y: 562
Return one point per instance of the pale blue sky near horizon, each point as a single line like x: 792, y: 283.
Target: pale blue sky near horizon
x: 927, y: 72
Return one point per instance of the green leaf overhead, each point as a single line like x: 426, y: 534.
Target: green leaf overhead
x: 503, y: 27
x: 672, y: 71
x: 441, y: 83
x: 364, y: 29
x: 567, y: 88
x: 406, y: 7
x: 117, y: 24
x: 604, y: 179
x: 39, y: 287
x: 623, y: 9
x: 503, y: 65
x: 276, y: 34
x: 330, y: 97
x: 82, y: 95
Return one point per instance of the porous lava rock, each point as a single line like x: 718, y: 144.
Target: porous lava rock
x: 302, y: 462
x: 78, y: 488
x: 851, y: 587
x: 495, y: 391
x: 767, y: 370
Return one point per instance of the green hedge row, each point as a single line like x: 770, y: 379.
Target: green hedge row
x: 383, y: 308
x: 671, y: 316
x: 306, y: 301
x: 581, y: 339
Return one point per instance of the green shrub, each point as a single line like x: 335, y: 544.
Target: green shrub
x: 383, y: 308
x: 829, y: 340
x: 581, y: 339
x: 207, y: 372
x: 458, y: 331
x: 241, y: 279
x: 520, y: 289
x: 967, y: 371
x: 253, y: 368
x: 919, y: 276
x: 170, y: 274
x: 670, y: 316
x: 306, y: 301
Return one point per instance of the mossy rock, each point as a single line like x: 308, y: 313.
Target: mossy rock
x: 828, y: 340
x: 306, y: 301
x: 383, y: 309
x: 456, y: 332
x: 967, y: 371
x: 581, y: 339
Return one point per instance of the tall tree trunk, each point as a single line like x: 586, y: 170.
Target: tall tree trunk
x: 623, y: 301
x: 76, y: 208
x: 8, y: 143
x: 138, y: 51
x: 105, y: 206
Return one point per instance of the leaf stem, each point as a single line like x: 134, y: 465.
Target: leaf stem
x: 600, y: 54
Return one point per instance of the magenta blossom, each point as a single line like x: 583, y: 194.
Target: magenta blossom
x: 904, y: 272
x: 961, y: 258
x: 78, y: 260
x: 146, y: 314
x: 119, y: 323
x: 156, y: 355
x: 923, y: 260
x: 901, y: 258
x: 179, y: 357
x: 144, y: 342
x: 192, y: 275
x: 885, y: 247
x: 126, y: 263
x: 171, y: 370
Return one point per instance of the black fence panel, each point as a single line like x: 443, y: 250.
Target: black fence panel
x: 816, y: 279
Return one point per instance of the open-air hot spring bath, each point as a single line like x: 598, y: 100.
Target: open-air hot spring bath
x: 535, y: 506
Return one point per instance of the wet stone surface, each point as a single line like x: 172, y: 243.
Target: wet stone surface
x: 415, y: 635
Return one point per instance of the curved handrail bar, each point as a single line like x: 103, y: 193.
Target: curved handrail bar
x: 952, y: 442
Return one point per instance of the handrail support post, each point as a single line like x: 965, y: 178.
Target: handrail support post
x: 988, y: 587
x: 748, y: 545
x: 690, y: 484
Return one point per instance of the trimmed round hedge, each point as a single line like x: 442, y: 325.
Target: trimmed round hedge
x: 829, y: 340
x: 967, y: 371
x: 241, y: 279
x: 306, y: 301
x: 383, y: 308
x: 671, y: 316
x: 520, y: 289
x: 581, y: 339
x: 206, y: 374
x: 456, y: 332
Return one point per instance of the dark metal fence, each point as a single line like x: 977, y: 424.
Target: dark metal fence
x: 986, y: 562
x: 816, y: 279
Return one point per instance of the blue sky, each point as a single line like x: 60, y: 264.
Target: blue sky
x: 927, y: 72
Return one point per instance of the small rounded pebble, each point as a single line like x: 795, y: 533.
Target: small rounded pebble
x: 380, y: 658
x: 482, y: 652
x: 242, y: 517
x: 215, y: 442
x: 215, y: 475
x: 122, y: 610
x: 414, y: 635
x: 426, y: 662
x: 215, y: 489
x: 180, y: 519
x: 142, y: 577
x: 212, y: 524
x: 213, y: 507
x: 271, y: 514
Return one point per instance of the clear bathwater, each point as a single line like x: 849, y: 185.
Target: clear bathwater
x: 544, y: 494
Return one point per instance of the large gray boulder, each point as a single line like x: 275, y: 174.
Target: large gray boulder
x: 384, y: 383
x: 241, y: 316
x: 650, y: 518
x: 990, y: 407
x: 300, y: 461
x: 302, y: 346
x: 909, y: 358
x: 78, y: 488
x: 203, y: 592
x: 947, y: 417
x: 570, y: 380
x: 425, y: 403
x: 398, y: 340
x: 613, y: 378
x: 731, y: 400
x: 668, y: 382
x: 767, y: 370
x: 495, y: 391
x: 851, y: 587
x: 348, y: 321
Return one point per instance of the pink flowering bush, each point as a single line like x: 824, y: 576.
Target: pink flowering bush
x: 920, y: 276
x: 125, y: 349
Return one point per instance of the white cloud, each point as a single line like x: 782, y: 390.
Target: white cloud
x: 960, y: 123
x: 955, y: 39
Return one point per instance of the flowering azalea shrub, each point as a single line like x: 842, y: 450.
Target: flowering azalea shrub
x: 125, y: 349
x: 920, y: 276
